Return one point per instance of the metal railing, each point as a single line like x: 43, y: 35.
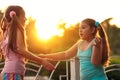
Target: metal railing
x: 32, y: 67
x: 113, y: 67
x: 38, y: 68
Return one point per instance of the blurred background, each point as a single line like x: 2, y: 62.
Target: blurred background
x: 52, y: 25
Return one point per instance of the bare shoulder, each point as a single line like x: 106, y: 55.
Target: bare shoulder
x: 79, y: 42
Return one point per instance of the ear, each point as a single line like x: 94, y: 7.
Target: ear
x: 92, y: 29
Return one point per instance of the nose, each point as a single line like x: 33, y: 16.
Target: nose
x: 80, y: 30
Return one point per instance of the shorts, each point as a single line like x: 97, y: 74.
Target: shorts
x: 11, y: 76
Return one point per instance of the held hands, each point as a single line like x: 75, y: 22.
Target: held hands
x: 46, y: 64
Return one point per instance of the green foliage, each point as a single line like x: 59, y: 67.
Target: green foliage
x: 114, y: 75
x: 113, y: 33
x: 115, y: 70
x: 115, y: 60
x: 114, y: 37
x: 70, y: 37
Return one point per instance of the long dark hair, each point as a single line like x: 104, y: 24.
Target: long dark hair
x: 102, y: 34
x: 12, y: 24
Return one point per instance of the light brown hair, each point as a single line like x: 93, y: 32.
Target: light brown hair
x: 13, y: 23
x: 102, y: 34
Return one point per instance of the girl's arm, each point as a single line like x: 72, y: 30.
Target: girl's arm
x: 97, y: 52
x: 63, y: 55
x: 29, y: 55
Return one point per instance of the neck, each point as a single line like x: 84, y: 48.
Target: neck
x: 90, y: 39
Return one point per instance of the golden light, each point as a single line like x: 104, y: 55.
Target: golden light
x: 47, y: 28
x: 115, y: 21
x: 48, y: 12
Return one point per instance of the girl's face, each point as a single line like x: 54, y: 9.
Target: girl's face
x: 85, y: 31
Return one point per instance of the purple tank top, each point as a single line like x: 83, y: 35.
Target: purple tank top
x: 14, y: 62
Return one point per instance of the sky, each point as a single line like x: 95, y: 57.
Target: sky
x: 49, y: 12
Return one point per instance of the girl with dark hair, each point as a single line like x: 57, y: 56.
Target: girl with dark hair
x: 92, y: 49
x: 14, y: 47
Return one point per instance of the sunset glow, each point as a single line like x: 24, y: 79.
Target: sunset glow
x: 115, y: 21
x: 47, y: 28
x: 48, y: 13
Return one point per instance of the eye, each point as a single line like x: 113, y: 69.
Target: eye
x: 83, y: 27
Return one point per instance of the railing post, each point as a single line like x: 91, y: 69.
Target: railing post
x: 74, y: 69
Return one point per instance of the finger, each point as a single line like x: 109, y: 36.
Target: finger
x: 94, y: 44
x: 97, y: 40
x: 50, y: 67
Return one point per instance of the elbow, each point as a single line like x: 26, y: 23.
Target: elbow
x: 96, y: 63
x: 19, y: 50
x: 67, y: 56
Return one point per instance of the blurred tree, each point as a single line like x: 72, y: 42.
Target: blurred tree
x: 34, y: 44
x: 71, y: 35
x: 113, y: 33
x: 1, y: 14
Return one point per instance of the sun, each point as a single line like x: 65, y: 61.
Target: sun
x: 48, y: 12
x: 47, y: 28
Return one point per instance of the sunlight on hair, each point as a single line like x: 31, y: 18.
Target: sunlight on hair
x: 48, y: 12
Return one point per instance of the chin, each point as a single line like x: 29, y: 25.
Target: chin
x: 82, y: 38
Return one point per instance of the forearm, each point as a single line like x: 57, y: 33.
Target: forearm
x: 56, y: 56
x: 29, y: 55
x: 96, y: 56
